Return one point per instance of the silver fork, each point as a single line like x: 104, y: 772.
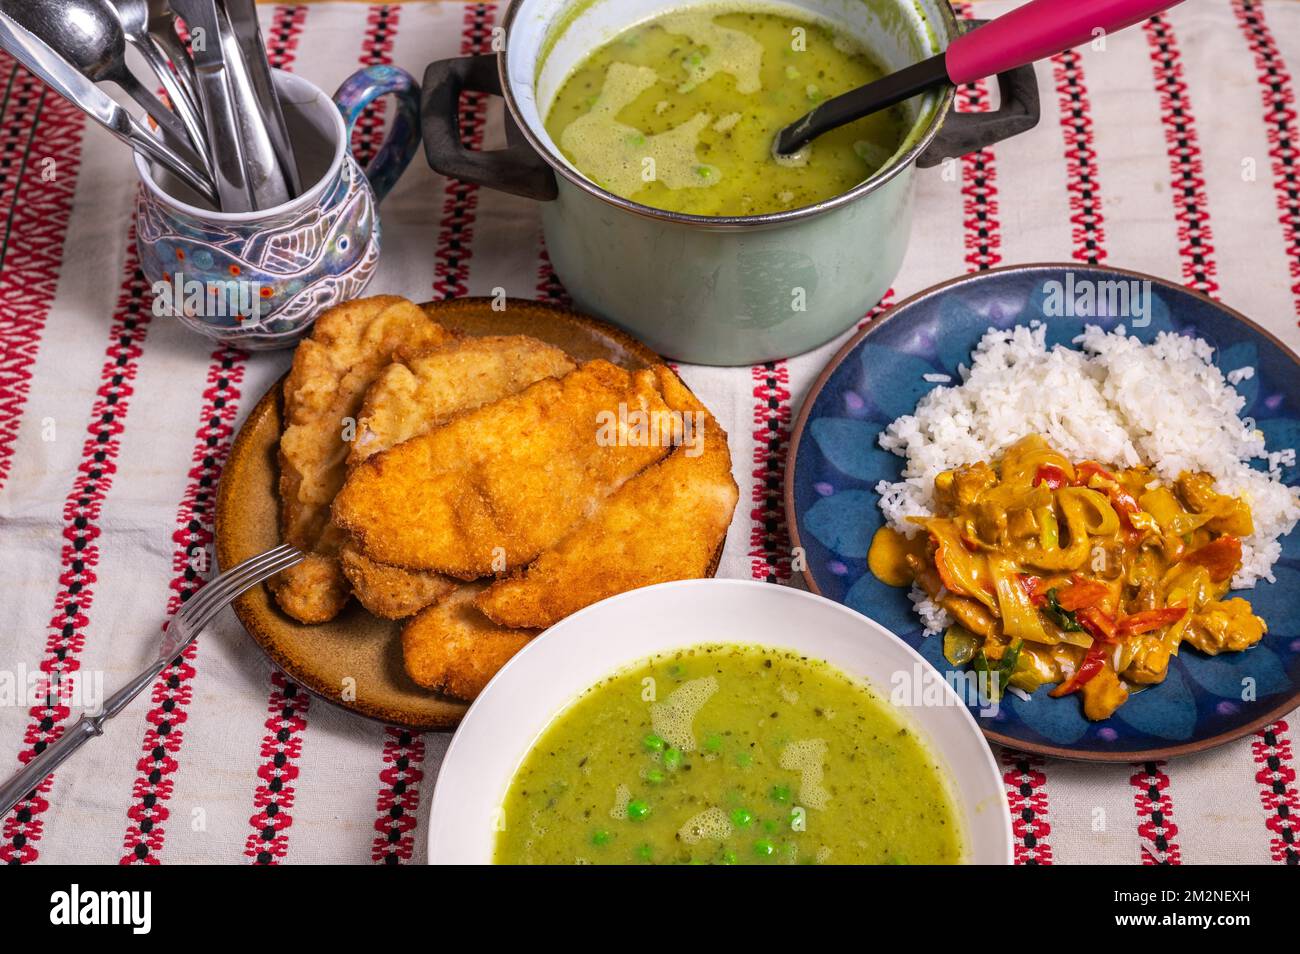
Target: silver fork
x: 188, y: 622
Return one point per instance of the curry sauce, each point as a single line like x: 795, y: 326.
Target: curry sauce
x: 1070, y: 574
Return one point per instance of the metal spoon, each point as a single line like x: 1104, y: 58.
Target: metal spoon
x: 87, y: 34
x: 73, y: 86
x: 134, y: 16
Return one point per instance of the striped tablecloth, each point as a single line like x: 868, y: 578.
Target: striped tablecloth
x: 1173, y: 151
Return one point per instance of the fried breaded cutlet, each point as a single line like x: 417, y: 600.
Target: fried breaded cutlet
x: 453, y: 648
x: 388, y: 591
x: 349, y: 345
x: 493, y: 488
x: 423, y: 389
x: 313, y: 591
x: 664, y: 524
x: 418, y: 391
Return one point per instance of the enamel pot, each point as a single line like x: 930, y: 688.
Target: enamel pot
x: 724, y: 290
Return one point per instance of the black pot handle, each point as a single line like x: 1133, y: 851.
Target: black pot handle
x: 962, y: 133
x: 517, y: 169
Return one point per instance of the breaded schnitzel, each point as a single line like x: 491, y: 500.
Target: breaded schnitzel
x: 451, y: 647
x: 664, y: 524
x: 494, y: 487
x: 388, y: 591
x: 349, y: 345
x: 313, y: 591
x: 418, y: 391
x: 423, y: 389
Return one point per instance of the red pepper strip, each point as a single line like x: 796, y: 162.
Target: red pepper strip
x: 1084, y: 471
x: 1082, y: 593
x: 1148, y: 620
x: 1053, y: 476
x: 1095, y: 476
x: 1096, y: 623
x: 1108, y: 482
x: 1221, y: 557
x: 945, y: 577
x: 1093, y: 663
x: 1033, y: 586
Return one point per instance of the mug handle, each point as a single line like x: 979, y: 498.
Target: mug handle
x: 963, y: 133
x: 517, y: 169
x: 398, y: 148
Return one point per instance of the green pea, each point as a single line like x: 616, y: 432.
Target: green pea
x: 600, y: 838
x: 672, y: 758
x: 654, y: 776
x: 742, y: 818
x: 653, y: 743
x: 644, y: 852
x: 780, y: 793
x: 713, y: 743
x: 744, y: 759
x: 637, y: 810
x: 729, y: 858
x: 764, y: 848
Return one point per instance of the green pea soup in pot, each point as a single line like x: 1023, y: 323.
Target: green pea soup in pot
x: 680, y: 111
x: 729, y: 754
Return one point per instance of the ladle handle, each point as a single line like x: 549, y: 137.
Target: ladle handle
x: 1039, y: 29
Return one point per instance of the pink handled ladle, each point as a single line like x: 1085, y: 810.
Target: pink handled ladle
x: 1035, y: 31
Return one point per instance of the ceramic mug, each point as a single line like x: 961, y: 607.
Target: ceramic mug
x: 711, y: 289
x: 258, y: 280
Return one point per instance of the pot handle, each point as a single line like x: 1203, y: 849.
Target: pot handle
x: 517, y: 169
x: 962, y: 133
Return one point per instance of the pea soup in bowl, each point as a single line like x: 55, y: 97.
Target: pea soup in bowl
x: 645, y: 130
x: 718, y: 721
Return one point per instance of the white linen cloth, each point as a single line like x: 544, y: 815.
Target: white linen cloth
x: 114, y: 426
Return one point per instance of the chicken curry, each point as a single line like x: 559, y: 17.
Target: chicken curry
x: 1069, y: 574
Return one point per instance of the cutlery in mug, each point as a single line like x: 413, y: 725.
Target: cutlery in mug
x: 134, y: 16
x: 266, y: 181
x: 243, y: 17
x: 69, y: 83
x: 87, y: 35
x: 229, y: 173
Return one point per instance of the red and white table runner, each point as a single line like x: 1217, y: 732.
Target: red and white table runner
x: 1174, y: 151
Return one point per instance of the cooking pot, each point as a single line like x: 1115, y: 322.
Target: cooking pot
x: 722, y: 290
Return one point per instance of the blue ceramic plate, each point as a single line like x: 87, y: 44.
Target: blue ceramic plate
x: 879, y: 375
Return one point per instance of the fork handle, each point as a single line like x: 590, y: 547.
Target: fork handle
x: 26, y: 779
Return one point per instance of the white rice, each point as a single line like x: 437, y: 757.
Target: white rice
x: 1113, y: 400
